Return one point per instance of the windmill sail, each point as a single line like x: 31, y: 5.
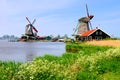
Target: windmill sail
x: 35, y: 29
x: 89, y: 16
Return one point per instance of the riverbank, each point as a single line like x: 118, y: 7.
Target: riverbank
x: 87, y: 63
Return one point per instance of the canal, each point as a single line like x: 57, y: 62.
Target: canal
x: 26, y: 51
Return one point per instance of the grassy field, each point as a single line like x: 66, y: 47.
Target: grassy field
x: 82, y: 61
x: 114, y: 43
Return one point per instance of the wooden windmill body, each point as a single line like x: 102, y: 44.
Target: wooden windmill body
x: 83, y: 25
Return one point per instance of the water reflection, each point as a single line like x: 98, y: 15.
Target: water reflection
x: 26, y: 51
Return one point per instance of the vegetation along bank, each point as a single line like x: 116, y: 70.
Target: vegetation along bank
x: 80, y: 62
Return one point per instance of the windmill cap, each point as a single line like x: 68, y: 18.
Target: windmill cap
x: 91, y: 16
x: 84, y: 19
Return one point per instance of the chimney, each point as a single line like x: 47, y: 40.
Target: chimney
x: 96, y: 27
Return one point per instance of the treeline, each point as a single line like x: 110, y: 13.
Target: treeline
x: 8, y: 37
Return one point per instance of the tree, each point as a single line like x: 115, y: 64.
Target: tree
x: 58, y: 36
x: 65, y: 36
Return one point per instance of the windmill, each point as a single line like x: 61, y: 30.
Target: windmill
x: 30, y: 29
x: 83, y: 24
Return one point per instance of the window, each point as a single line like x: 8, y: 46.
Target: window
x: 100, y: 33
x: 90, y: 37
x: 96, y: 33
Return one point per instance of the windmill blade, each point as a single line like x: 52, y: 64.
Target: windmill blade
x: 76, y: 29
x: 33, y: 21
x: 35, y: 29
x: 87, y: 10
x: 31, y: 24
x: 89, y: 16
x: 90, y: 24
x: 28, y: 20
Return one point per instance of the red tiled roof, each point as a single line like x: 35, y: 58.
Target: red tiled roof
x: 87, y: 33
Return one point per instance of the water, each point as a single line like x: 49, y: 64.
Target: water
x: 26, y: 51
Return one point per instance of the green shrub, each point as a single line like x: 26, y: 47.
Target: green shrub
x: 86, y: 76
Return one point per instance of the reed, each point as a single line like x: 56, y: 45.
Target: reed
x: 113, y: 43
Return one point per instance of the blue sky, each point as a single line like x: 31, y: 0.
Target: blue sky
x: 55, y: 17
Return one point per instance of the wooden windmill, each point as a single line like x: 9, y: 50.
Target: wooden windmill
x: 30, y: 32
x: 84, y: 24
x: 30, y: 29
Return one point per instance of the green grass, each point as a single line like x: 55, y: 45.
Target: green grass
x: 8, y: 69
x: 66, y: 58
x: 87, y: 49
x: 87, y: 63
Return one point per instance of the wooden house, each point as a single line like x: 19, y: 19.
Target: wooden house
x: 94, y: 34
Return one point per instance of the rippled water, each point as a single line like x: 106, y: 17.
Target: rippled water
x: 26, y: 51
